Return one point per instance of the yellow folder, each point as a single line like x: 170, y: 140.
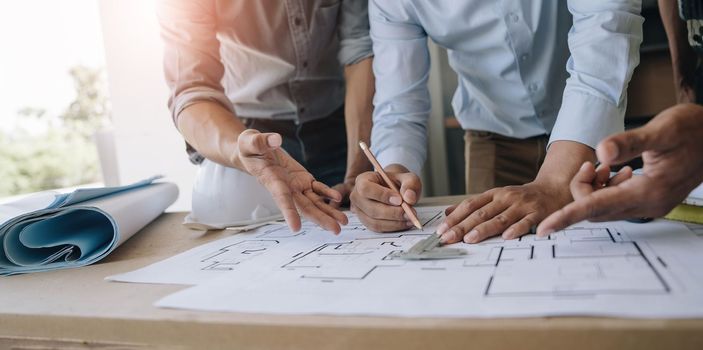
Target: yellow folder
x: 687, y: 213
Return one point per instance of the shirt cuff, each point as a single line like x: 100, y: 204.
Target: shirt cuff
x: 193, y: 95
x: 399, y: 155
x: 587, y: 119
x: 351, y: 51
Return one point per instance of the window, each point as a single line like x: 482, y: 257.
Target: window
x: 53, y: 94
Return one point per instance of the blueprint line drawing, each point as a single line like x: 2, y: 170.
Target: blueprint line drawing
x: 591, y: 261
x: 227, y: 254
x: 574, y: 262
x: 227, y: 257
x: 605, y: 269
x: 360, y: 256
x: 612, y: 269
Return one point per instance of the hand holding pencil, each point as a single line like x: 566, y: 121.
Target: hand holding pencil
x: 383, y: 198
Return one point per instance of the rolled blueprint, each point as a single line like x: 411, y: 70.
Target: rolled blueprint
x: 51, y: 231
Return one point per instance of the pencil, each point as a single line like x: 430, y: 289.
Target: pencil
x: 377, y: 166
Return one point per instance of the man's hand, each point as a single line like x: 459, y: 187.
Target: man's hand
x: 377, y: 206
x: 671, y: 146
x: 513, y: 210
x: 510, y: 211
x: 290, y: 184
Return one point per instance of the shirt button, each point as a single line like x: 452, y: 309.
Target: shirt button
x: 305, y: 64
x: 297, y: 21
x: 302, y: 110
x: 524, y: 57
x: 533, y: 87
x: 514, y: 17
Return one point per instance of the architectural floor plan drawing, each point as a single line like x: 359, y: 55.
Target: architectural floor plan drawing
x: 574, y: 262
x: 203, y: 263
x: 615, y: 269
x: 207, y: 261
x: 228, y: 257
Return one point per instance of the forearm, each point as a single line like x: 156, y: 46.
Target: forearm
x: 358, y: 110
x: 213, y: 131
x: 562, y: 162
x: 683, y: 58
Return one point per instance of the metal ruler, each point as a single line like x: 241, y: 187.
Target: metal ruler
x: 428, y: 249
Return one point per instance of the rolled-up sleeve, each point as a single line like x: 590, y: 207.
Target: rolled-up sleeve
x: 192, y: 63
x: 354, y: 39
x: 604, y: 43
x: 402, y: 101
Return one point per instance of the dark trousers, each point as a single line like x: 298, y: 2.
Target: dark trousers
x: 319, y: 145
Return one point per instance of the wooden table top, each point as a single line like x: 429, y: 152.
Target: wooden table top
x: 77, y: 309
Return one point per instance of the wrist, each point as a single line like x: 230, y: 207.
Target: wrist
x: 357, y: 163
x: 231, y: 150
x: 555, y: 181
x: 213, y: 131
x: 563, y: 160
x: 396, y: 168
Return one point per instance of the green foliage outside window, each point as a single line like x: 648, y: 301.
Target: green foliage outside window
x: 63, y: 153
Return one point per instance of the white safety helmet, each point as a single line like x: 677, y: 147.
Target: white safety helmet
x: 226, y: 197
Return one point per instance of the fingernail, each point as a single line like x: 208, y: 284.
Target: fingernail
x: 274, y: 140
x: 472, y: 237
x: 410, y: 196
x: 442, y: 228
x: 607, y: 151
x: 546, y: 232
x: 446, y: 237
x: 584, y: 166
x: 395, y: 200
x: 508, y: 234
x: 613, y: 149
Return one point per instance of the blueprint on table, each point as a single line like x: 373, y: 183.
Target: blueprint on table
x: 606, y: 269
x: 611, y: 269
x: 49, y: 230
x: 210, y: 260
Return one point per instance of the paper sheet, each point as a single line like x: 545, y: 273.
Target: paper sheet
x: 203, y: 263
x: 613, y: 269
x: 697, y: 229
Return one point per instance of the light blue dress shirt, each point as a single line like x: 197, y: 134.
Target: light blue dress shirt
x: 515, y: 75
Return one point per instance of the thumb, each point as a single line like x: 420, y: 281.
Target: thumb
x: 622, y: 147
x: 253, y: 143
x: 410, y: 187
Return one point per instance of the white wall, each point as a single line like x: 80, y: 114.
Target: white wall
x: 146, y: 141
